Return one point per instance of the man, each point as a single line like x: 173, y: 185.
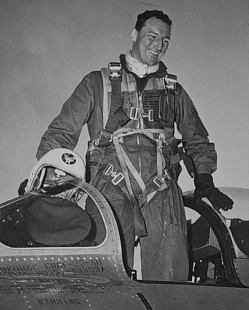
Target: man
x: 133, y: 156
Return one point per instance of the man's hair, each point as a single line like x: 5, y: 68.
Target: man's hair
x: 142, y: 18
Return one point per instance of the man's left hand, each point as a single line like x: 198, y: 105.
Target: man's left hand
x: 205, y: 188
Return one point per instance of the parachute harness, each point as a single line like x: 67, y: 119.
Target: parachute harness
x: 114, y: 132
x: 159, y: 182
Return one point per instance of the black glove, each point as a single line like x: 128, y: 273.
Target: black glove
x: 205, y: 188
x: 21, y: 189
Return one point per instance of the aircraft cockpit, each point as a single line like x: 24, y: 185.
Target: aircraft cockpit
x: 50, y: 221
x: 218, y: 247
x: 50, y: 211
x: 40, y: 219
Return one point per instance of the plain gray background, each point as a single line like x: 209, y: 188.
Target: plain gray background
x: 47, y: 46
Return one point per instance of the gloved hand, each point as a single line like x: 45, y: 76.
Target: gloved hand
x: 21, y: 189
x: 205, y: 188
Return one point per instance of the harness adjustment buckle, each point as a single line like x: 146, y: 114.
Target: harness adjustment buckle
x: 134, y: 114
x: 115, y: 69
x: 167, y: 174
x: 150, y: 116
x: 158, y: 181
x: 116, y: 177
x: 109, y: 169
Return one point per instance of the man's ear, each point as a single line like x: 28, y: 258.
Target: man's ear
x: 133, y: 35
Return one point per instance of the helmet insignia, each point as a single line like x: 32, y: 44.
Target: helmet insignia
x: 68, y: 158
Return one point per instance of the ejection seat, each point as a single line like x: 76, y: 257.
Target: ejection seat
x: 37, y: 221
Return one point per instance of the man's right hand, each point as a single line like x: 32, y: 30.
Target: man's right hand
x: 21, y: 189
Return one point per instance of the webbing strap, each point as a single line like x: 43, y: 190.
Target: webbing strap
x: 125, y: 163
x: 112, y: 122
x: 127, y: 166
x: 150, y: 134
x: 123, y: 132
x: 113, y: 116
x: 160, y: 159
x: 125, y: 172
x: 152, y: 194
x: 118, y: 179
x: 106, y: 89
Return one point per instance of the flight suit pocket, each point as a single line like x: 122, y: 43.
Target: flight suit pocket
x: 174, y: 234
x: 163, y: 211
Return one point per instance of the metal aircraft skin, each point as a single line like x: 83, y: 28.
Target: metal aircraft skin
x: 93, y: 277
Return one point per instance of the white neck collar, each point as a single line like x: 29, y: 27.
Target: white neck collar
x: 140, y: 69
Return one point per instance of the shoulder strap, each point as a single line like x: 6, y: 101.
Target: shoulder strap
x: 113, y: 115
x: 170, y: 82
x: 106, y: 89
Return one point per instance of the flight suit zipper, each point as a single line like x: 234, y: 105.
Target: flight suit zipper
x: 140, y: 88
x: 140, y: 125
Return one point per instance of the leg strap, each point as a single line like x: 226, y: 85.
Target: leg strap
x: 159, y: 182
x: 127, y: 166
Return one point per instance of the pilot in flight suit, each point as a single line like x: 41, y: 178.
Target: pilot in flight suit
x: 131, y: 110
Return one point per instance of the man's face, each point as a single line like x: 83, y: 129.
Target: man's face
x: 151, y: 42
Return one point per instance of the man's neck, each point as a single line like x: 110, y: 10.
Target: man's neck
x: 138, y: 68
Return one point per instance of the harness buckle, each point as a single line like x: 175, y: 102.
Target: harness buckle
x: 167, y: 174
x: 109, y: 169
x: 171, y: 81
x: 116, y: 178
x: 115, y: 69
x: 150, y: 116
x: 134, y: 115
x: 158, y: 181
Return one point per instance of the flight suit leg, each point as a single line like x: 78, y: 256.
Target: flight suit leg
x: 164, y: 251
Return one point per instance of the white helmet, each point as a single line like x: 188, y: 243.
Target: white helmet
x: 62, y: 161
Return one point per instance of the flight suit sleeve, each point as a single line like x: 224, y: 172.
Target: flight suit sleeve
x: 194, y: 134
x: 65, y: 129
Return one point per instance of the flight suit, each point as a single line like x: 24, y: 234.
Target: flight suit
x: 163, y: 236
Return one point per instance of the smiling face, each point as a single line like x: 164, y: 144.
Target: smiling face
x: 151, y: 42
